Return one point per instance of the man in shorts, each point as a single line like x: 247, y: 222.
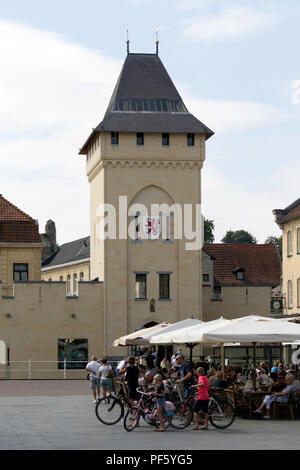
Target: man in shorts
x: 93, y: 369
x: 186, y: 375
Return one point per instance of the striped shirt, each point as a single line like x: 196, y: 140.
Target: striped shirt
x: 203, y: 390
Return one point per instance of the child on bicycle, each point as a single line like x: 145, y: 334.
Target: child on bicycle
x: 160, y: 395
x: 202, y: 399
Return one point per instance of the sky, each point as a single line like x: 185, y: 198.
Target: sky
x: 234, y: 62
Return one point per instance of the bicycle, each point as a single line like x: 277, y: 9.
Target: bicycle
x: 110, y: 409
x: 221, y: 413
x: 132, y: 417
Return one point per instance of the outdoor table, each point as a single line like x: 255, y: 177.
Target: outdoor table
x: 255, y: 398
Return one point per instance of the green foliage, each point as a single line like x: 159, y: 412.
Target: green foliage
x: 277, y: 242
x: 238, y: 236
x: 209, y: 227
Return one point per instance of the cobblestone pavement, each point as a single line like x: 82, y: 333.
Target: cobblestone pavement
x: 60, y: 415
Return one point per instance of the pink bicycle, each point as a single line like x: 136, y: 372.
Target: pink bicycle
x: 147, y: 408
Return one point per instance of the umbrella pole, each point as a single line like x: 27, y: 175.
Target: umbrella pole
x: 254, y: 365
x: 222, y: 358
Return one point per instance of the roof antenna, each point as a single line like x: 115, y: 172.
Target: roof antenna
x: 127, y: 41
x: 157, y: 41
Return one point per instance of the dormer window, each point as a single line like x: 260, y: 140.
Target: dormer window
x: 239, y: 274
x: 165, y: 139
x: 140, y: 138
x: 114, y: 138
x: 190, y: 140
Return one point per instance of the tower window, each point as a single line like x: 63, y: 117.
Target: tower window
x: 164, y: 286
x: 165, y: 139
x: 140, y: 138
x: 140, y: 286
x: 20, y: 272
x: 190, y: 140
x: 114, y: 138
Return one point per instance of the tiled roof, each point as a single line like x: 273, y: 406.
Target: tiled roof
x: 15, y: 225
x: 261, y: 264
x: 146, y: 100
x: 69, y: 253
x: 289, y: 213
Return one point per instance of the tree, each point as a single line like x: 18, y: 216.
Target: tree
x: 277, y: 242
x: 238, y: 236
x: 209, y: 227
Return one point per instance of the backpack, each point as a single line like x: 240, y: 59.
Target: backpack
x: 169, y: 409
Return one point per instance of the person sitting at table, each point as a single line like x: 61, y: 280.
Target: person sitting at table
x: 263, y: 365
x: 220, y: 382
x: 282, y: 397
x: 249, y: 386
x: 263, y: 379
x: 278, y: 384
x: 297, y: 381
x: 212, y: 376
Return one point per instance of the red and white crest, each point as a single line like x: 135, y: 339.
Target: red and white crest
x: 152, y: 227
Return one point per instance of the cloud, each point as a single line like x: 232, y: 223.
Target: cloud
x: 228, y: 116
x: 51, y: 93
x: 231, y: 23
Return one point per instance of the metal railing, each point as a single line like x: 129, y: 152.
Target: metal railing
x: 29, y: 368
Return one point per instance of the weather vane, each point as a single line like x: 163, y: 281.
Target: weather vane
x: 127, y: 40
x: 157, y: 41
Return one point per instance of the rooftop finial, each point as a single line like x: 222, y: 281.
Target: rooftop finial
x: 127, y: 40
x: 157, y: 41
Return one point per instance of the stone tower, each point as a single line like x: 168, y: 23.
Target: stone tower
x: 150, y: 149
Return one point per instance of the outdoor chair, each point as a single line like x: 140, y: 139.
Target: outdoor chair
x: 289, y: 406
x: 239, y: 401
x: 297, y: 402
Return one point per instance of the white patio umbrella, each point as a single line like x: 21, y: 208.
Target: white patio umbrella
x: 170, y: 330
x: 136, y: 337
x: 191, y: 334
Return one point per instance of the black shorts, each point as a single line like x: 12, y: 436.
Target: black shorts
x: 201, y: 405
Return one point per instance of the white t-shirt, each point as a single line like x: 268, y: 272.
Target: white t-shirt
x: 104, y: 370
x: 94, y: 366
x: 121, y: 365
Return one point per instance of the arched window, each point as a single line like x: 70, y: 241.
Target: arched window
x: 289, y: 243
x: 298, y: 292
x: 75, y: 284
x: 68, y: 284
x: 290, y: 294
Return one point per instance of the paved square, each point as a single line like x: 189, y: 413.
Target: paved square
x: 60, y: 415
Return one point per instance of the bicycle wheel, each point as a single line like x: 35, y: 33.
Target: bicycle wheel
x: 131, y: 419
x: 221, y: 414
x: 109, y: 411
x: 167, y: 422
x: 183, y: 415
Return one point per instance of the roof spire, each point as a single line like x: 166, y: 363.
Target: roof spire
x: 157, y: 41
x: 127, y: 40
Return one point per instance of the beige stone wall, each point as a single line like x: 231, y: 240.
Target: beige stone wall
x: 19, y: 253
x: 61, y: 273
x: 237, y: 302
x: 291, y: 265
x: 39, y: 314
x: 149, y: 174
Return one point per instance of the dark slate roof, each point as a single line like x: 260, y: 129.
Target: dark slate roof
x: 146, y: 100
x: 260, y: 263
x: 289, y: 213
x: 68, y: 253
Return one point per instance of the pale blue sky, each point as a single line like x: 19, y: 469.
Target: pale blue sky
x: 234, y: 63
